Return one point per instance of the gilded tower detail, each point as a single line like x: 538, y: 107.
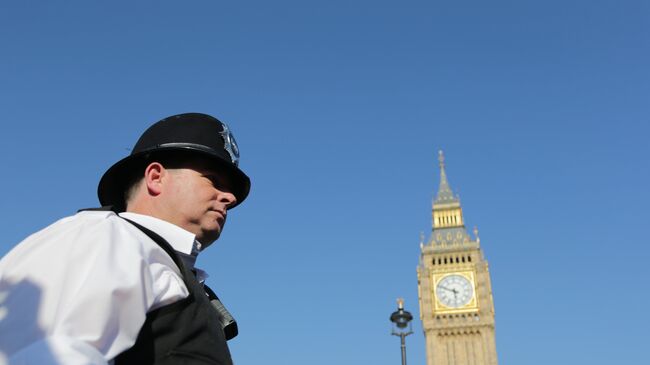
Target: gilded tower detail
x: 454, y: 290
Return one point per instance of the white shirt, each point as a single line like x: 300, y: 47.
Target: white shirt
x: 78, y: 291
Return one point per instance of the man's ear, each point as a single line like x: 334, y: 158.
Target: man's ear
x: 153, y: 178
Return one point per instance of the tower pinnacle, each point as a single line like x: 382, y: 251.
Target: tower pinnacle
x: 447, y: 212
x: 445, y: 195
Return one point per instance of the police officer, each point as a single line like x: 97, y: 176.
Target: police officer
x: 117, y: 285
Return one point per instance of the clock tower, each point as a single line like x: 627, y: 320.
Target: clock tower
x: 454, y: 290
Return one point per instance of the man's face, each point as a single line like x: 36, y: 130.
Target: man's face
x: 197, y: 199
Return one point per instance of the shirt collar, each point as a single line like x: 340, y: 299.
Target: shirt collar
x: 181, y: 240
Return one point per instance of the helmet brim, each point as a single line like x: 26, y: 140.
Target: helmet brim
x: 113, y: 184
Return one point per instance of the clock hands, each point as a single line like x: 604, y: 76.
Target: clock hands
x: 447, y: 289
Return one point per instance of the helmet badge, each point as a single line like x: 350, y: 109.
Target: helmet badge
x: 229, y: 144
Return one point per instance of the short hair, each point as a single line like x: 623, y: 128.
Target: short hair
x: 132, y: 186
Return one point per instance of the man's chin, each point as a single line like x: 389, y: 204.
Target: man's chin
x: 208, y: 238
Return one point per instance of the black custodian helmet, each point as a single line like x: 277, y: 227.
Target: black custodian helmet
x: 192, y: 134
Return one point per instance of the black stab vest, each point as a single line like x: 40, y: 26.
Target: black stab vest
x: 187, y: 332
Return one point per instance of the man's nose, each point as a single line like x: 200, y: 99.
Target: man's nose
x: 228, y: 199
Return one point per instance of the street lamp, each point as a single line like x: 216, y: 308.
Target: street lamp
x: 401, y: 319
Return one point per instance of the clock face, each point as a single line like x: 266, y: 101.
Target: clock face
x: 454, y: 291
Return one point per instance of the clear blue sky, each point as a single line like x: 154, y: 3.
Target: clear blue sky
x: 339, y: 108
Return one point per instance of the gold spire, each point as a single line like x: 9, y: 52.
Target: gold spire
x: 447, y: 212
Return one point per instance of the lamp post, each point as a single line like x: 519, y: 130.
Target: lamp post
x: 401, y: 320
